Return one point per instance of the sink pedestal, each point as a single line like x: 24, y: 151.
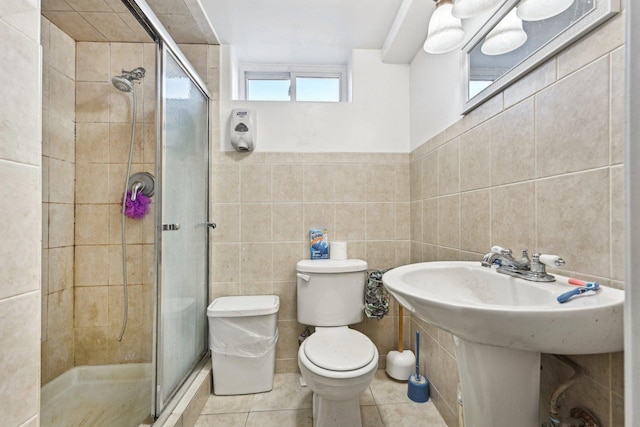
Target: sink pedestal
x: 500, y: 386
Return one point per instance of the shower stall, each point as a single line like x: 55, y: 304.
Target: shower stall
x: 140, y: 286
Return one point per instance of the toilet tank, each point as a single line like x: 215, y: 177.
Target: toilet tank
x: 331, y: 292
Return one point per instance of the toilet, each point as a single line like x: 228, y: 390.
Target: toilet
x: 338, y: 363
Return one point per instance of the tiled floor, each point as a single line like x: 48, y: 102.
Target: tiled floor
x: 384, y: 403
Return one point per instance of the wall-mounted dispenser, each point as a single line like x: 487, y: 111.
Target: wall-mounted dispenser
x: 242, y: 129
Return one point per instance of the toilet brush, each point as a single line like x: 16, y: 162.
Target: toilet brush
x: 418, y: 385
x: 400, y: 363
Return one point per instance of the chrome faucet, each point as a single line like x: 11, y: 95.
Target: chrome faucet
x: 533, y: 269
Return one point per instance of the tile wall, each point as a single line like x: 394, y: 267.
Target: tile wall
x: 539, y: 166
x: 103, y: 132
x: 265, y: 203
x: 21, y: 195
x: 58, y: 198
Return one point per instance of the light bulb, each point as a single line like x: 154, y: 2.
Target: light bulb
x: 445, y: 31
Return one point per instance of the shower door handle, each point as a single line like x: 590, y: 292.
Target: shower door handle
x: 212, y: 225
x: 170, y: 227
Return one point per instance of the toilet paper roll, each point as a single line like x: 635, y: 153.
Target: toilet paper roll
x: 338, y: 250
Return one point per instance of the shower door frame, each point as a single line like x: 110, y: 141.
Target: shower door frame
x: 159, y: 405
x: 149, y: 21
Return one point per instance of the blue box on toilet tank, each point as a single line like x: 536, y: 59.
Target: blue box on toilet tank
x: 319, y: 244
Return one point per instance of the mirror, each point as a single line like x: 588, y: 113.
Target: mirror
x: 506, y: 48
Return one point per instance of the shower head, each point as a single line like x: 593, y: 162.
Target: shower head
x: 122, y: 83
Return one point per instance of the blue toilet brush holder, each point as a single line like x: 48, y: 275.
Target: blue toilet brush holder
x: 418, y: 384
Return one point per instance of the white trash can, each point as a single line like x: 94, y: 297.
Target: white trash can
x: 243, y: 332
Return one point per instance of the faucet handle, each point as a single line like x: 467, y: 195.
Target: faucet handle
x: 551, y: 260
x: 500, y: 250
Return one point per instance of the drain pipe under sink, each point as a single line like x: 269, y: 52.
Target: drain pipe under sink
x: 554, y: 417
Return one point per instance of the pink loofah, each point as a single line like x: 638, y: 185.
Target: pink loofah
x: 138, y: 208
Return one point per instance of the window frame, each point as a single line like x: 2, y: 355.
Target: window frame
x: 291, y: 72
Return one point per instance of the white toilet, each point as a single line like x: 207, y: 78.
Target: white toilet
x: 337, y: 363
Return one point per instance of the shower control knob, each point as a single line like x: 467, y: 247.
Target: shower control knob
x: 212, y: 225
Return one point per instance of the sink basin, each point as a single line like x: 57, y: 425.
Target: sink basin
x: 501, y: 324
x: 480, y: 305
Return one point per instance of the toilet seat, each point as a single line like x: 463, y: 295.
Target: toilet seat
x: 339, y: 349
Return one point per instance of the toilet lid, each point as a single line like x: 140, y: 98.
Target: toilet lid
x: 339, y: 349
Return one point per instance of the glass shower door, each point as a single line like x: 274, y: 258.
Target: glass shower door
x: 182, y: 259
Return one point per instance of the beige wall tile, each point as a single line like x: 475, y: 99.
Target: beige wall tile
x: 92, y: 142
x: 125, y: 56
x: 21, y: 107
x: 403, y: 182
x: 61, y: 269
x: 571, y: 225
x: 513, y: 144
x: 475, y: 221
x: 134, y: 261
x: 318, y: 182
x: 430, y: 175
x: 62, y: 53
x: 318, y: 215
x: 538, y: 79
x: 19, y: 331
x: 285, y: 257
x: 569, y: 139
x: 227, y: 218
x: 475, y: 158
x: 91, y: 306
x: 287, y: 182
x: 255, y: 183
x: 225, y: 184
x: 20, y: 212
x: 90, y: 180
x: 256, y: 222
x: 256, y: 262
x: 287, y: 222
x: 91, y: 265
x: 598, y: 43
x: 381, y: 183
x: 415, y: 177
x: 513, y: 217
x: 350, y: 182
x: 92, y: 224
x: 62, y: 89
x: 617, y: 223
x: 121, y: 105
x: 61, y: 225
x: 61, y: 181
x: 380, y: 221
x: 430, y: 221
x: 403, y: 221
x: 449, y: 168
x: 449, y: 221
x: 92, y: 102
x: 617, y: 106
x: 90, y: 345
x: 380, y: 255
x: 225, y: 262
x: 120, y: 141
x: 350, y: 221
x: 416, y: 220
x: 62, y: 139
x: 92, y: 62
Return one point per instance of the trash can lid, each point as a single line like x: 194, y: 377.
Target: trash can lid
x: 240, y: 306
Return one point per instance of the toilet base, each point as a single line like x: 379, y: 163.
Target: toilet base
x: 332, y: 413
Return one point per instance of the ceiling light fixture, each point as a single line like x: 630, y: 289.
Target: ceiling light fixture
x: 508, y: 35
x: 464, y: 9
x: 537, y: 10
x: 445, y: 31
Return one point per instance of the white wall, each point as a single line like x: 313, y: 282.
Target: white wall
x: 436, y: 99
x: 375, y: 121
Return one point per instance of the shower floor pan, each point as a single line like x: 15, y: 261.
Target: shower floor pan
x: 98, y: 396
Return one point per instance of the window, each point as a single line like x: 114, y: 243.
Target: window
x: 303, y: 84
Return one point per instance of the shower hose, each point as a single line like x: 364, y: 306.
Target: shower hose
x: 125, y: 308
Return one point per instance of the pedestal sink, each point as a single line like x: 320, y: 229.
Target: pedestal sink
x: 501, y: 324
